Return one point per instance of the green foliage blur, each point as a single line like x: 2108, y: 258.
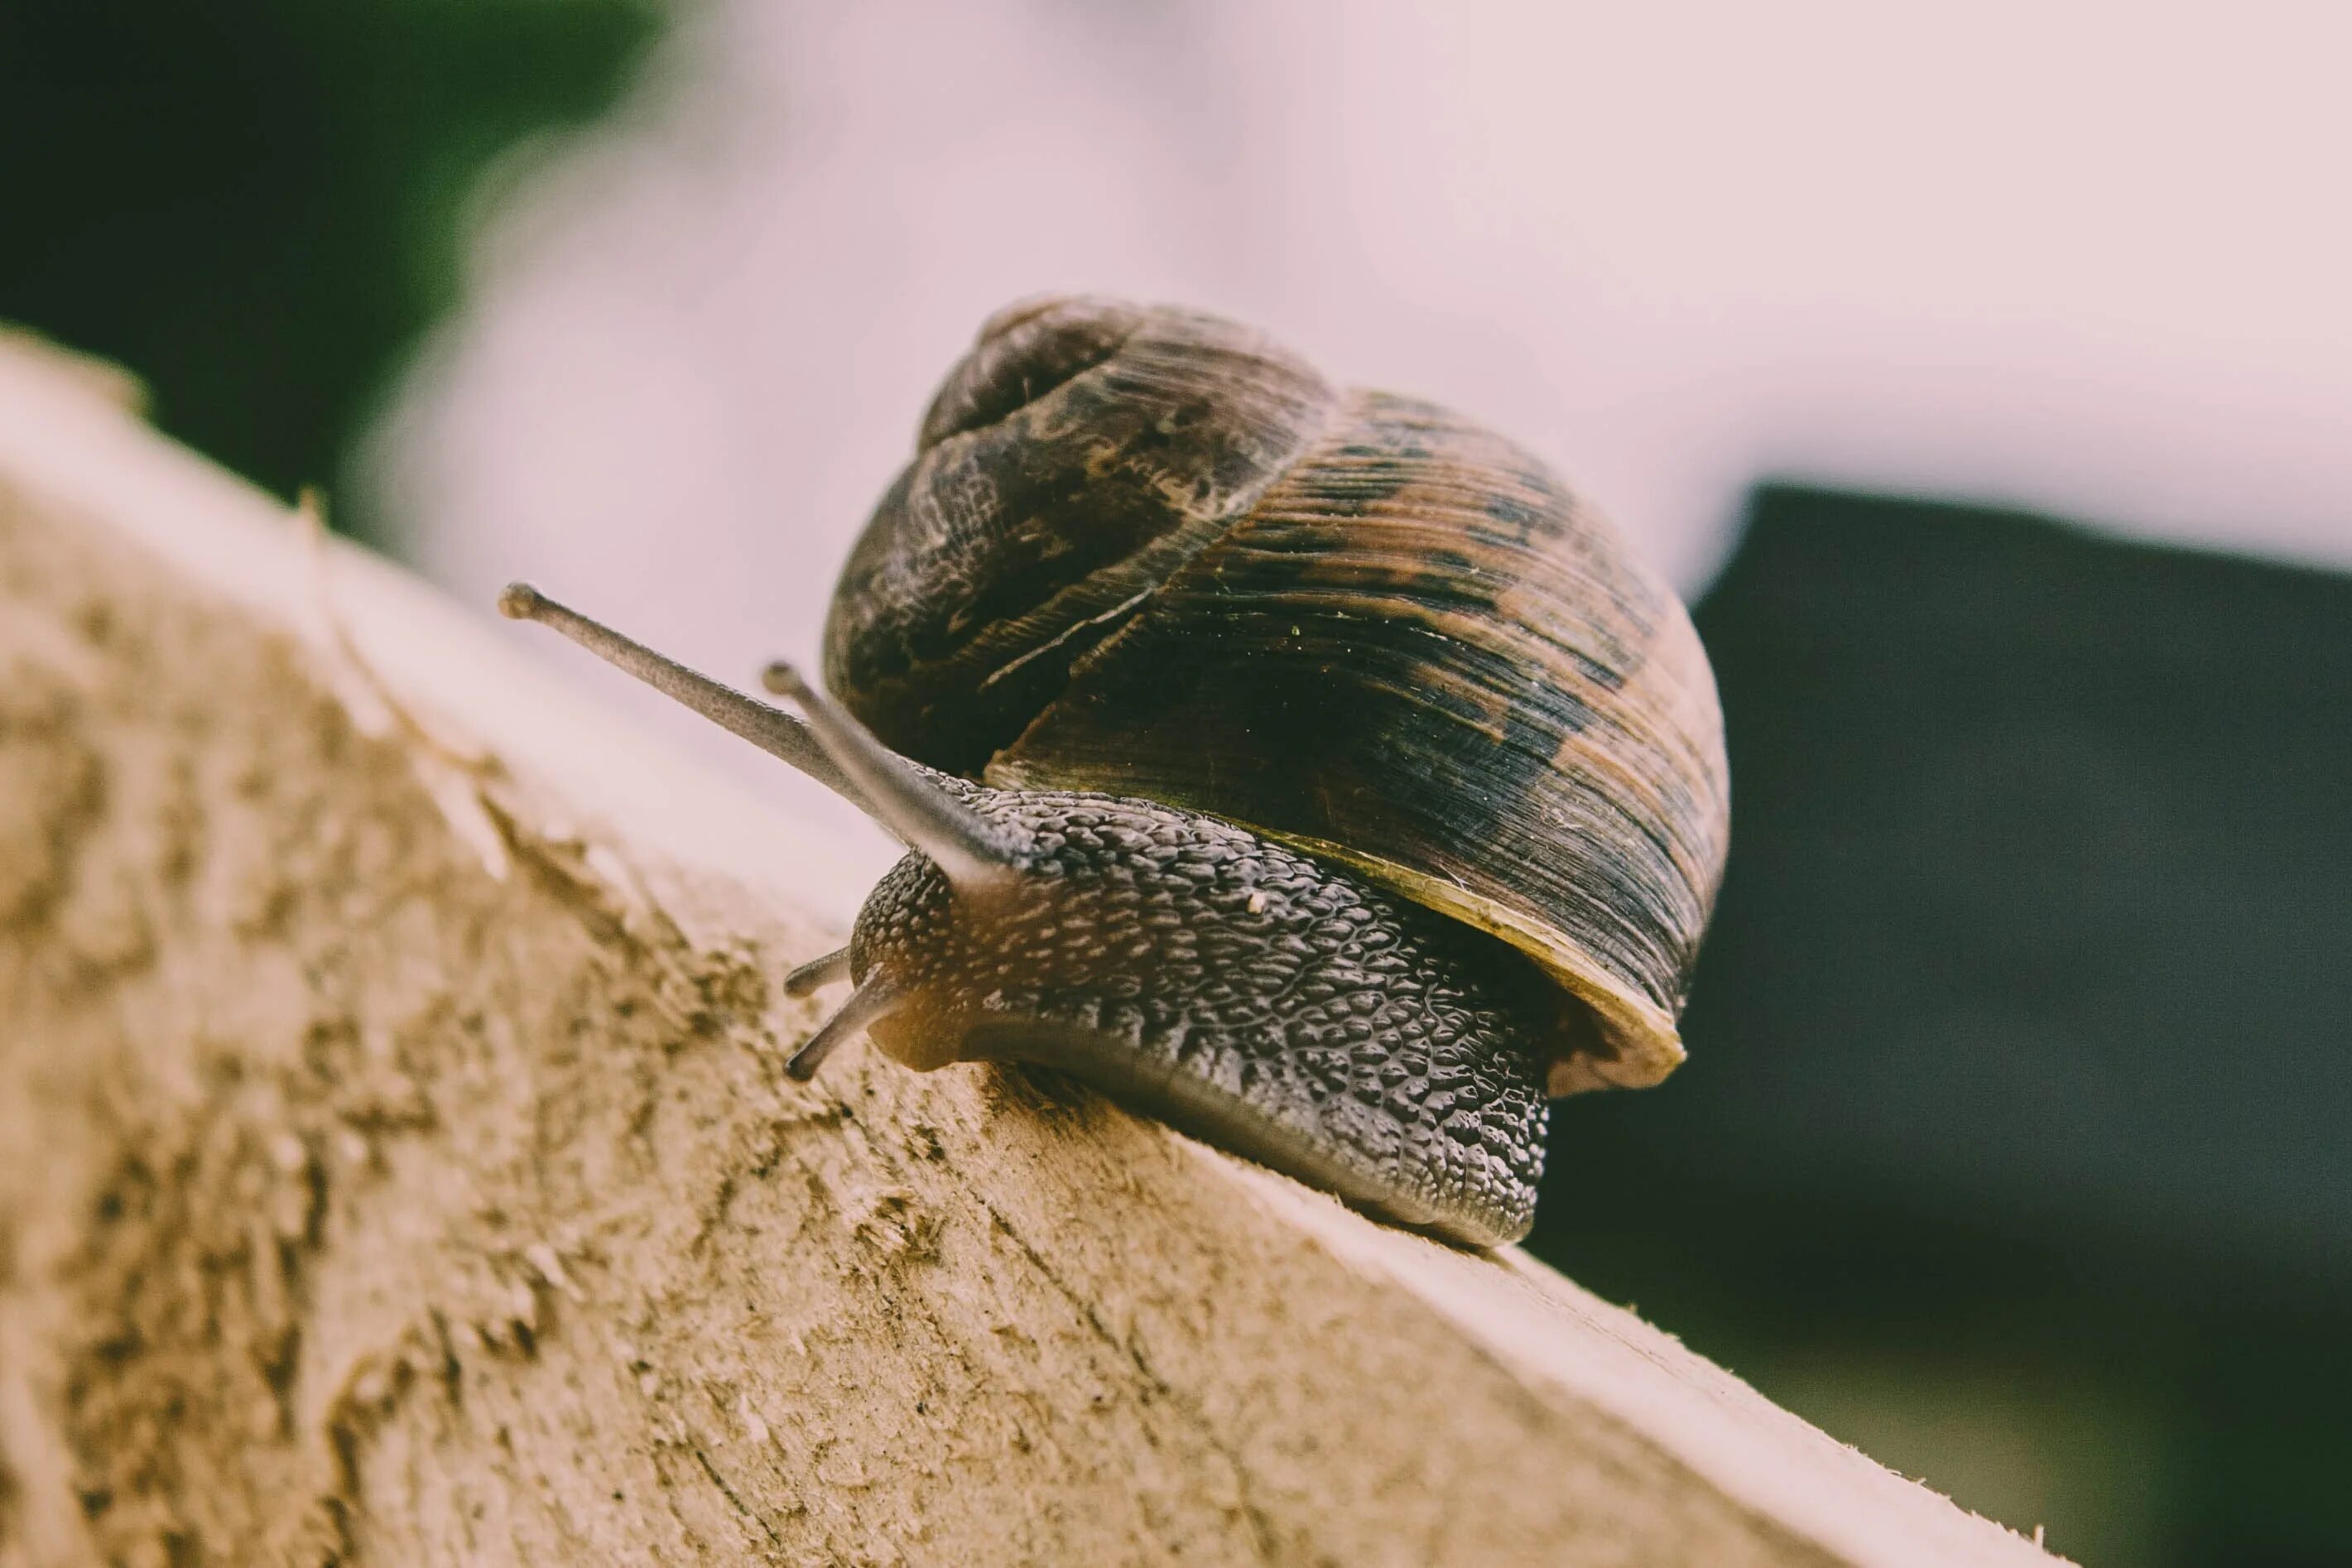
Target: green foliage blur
x: 256, y: 205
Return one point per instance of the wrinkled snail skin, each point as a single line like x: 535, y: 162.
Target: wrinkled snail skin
x: 1238, y: 991
x: 1307, y: 768
x: 1144, y: 552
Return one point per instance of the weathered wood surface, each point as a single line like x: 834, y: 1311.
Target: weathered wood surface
x: 396, y: 1164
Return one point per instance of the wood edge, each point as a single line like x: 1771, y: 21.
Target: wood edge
x: 1557, y: 1334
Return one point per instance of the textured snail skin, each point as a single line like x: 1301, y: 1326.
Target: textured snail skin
x: 1236, y: 990
x: 1147, y: 552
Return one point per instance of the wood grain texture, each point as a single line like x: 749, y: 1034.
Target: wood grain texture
x: 398, y: 1166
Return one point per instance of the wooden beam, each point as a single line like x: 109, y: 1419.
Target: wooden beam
x: 400, y: 1166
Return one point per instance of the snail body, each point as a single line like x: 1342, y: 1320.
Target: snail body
x: 1304, y: 767
x: 1236, y: 990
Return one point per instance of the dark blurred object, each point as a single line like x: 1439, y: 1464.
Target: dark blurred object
x: 256, y: 204
x: 2048, y: 839
x: 2020, y: 1047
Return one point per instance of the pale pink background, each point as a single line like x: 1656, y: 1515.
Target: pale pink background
x: 2085, y: 256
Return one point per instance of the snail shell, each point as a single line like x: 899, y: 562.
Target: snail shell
x: 1147, y: 552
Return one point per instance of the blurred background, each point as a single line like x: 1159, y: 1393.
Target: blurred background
x: 1982, y: 373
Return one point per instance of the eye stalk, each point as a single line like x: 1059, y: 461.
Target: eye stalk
x: 772, y: 730
x: 909, y: 800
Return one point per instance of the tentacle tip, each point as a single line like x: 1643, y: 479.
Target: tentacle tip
x: 802, y: 1065
x: 781, y: 680
x: 521, y: 602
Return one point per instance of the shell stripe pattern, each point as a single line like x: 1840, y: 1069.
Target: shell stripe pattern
x: 1148, y: 552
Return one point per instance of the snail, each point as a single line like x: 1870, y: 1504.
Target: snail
x: 1305, y: 767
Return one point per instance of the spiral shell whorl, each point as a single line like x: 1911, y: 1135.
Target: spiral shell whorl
x: 1080, y: 453
x: 1149, y: 553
